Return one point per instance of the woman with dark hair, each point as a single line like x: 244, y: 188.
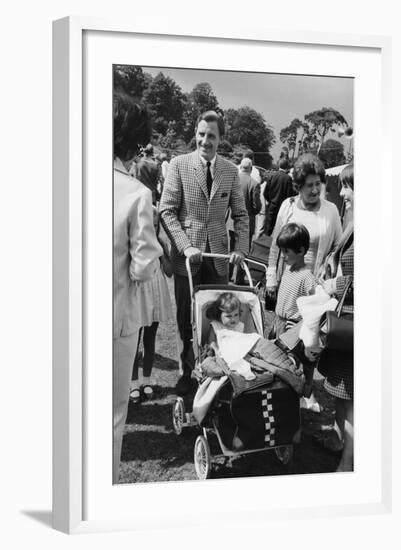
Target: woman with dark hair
x: 321, y: 219
x: 308, y: 208
x: 136, y: 254
x: 339, y: 380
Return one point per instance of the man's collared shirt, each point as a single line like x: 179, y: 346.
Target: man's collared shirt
x: 212, y: 164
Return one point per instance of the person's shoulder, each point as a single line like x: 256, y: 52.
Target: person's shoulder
x: 226, y: 164
x: 329, y: 206
x: 307, y: 273
x: 288, y: 202
x: 184, y: 160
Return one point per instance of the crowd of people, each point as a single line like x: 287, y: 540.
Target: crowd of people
x: 168, y: 212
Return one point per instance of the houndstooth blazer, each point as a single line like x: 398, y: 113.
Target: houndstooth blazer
x: 191, y: 219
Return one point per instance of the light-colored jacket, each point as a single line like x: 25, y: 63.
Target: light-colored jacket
x: 330, y: 234
x: 136, y: 249
x: 190, y: 218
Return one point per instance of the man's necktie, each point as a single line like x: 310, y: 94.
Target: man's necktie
x: 209, y: 179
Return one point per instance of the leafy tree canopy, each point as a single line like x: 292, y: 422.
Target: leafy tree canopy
x: 332, y: 153
x: 131, y: 79
x: 199, y: 100
x: 322, y: 120
x: 248, y: 127
x: 293, y: 135
x: 166, y: 102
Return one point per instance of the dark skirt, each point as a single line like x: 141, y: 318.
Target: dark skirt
x: 339, y: 380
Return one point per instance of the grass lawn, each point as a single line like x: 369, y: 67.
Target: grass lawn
x: 153, y: 452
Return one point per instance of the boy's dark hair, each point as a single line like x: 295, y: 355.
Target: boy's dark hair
x: 294, y: 236
x: 226, y: 302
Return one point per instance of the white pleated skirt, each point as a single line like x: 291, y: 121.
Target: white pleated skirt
x: 153, y: 299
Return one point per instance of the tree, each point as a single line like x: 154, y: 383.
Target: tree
x: 294, y: 135
x: 320, y: 122
x: 199, y: 100
x: 130, y: 79
x: 332, y: 153
x: 248, y: 127
x: 166, y: 103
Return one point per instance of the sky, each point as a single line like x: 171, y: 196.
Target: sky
x: 278, y: 97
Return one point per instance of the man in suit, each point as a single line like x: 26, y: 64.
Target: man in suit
x: 198, y: 190
x: 251, y: 191
x: 135, y: 255
x: 278, y: 188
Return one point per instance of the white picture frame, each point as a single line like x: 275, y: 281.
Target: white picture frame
x: 73, y: 478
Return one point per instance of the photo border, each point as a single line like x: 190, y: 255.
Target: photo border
x: 69, y: 257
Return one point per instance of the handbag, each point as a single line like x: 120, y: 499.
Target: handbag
x: 167, y: 264
x: 338, y: 331
x: 165, y: 259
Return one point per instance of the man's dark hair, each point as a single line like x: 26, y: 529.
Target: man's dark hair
x: 283, y: 164
x: 212, y: 116
x: 294, y: 236
x: 132, y: 125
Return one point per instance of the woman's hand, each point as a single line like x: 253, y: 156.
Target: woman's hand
x: 271, y: 291
x: 329, y: 286
x: 312, y: 352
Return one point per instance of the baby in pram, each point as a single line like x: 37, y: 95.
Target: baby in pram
x: 246, y: 351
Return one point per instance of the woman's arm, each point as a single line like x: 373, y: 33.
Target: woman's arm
x: 271, y: 278
x: 144, y: 247
x: 337, y: 229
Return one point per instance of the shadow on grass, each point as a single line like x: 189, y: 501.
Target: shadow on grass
x: 150, y: 414
x: 173, y: 450
x: 165, y: 363
x: 308, y: 458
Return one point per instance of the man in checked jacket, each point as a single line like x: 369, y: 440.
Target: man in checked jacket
x: 198, y: 190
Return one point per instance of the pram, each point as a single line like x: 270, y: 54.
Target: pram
x: 266, y: 415
x: 258, y: 259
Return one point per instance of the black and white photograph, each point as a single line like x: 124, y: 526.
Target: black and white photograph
x: 233, y: 263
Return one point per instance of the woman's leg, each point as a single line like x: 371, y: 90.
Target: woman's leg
x: 149, y: 342
x: 347, y: 458
x: 135, y: 367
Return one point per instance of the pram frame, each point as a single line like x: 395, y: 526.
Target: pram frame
x: 181, y: 419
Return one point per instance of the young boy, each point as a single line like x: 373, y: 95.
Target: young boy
x: 297, y: 280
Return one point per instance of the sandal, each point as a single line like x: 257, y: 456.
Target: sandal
x: 135, y: 395
x: 148, y: 391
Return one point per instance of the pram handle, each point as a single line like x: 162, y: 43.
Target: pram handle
x: 258, y: 263
x: 219, y: 256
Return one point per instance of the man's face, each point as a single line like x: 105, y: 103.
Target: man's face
x: 207, y: 139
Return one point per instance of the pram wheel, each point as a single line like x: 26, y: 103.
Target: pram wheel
x: 202, y: 457
x: 178, y: 415
x: 284, y: 453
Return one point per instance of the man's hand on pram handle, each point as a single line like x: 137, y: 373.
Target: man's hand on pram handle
x: 236, y: 257
x: 194, y: 254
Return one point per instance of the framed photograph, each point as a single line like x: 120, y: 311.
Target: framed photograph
x: 275, y: 82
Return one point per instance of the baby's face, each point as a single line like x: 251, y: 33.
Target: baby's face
x: 230, y: 318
